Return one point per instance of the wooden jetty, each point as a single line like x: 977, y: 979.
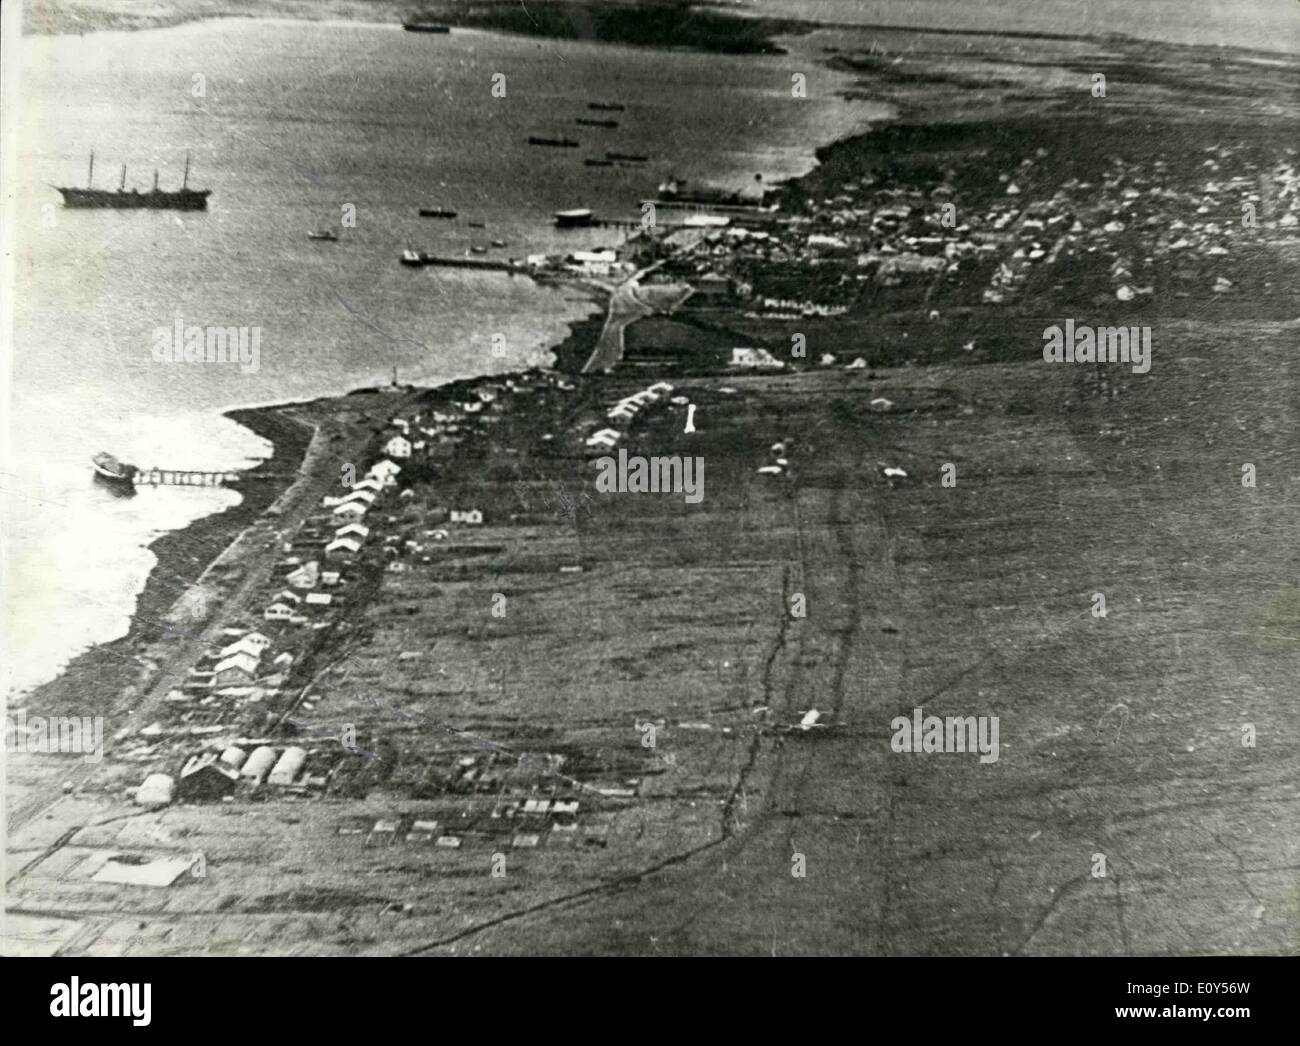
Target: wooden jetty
x: 160, y: 477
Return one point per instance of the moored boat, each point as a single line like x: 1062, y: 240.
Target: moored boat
x: 109, y: 470
x: 573, y: 219
x: 122, y: 198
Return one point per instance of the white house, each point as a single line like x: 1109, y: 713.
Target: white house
x: 305, y: 576
x: 352, y: 509
x: 330, y: 577
x: 341, y: 547
x: 243, y: 646
x: 398, y: 447
x: 288, y: 596
x: 356, y: 530
x: 254, y: 642
x: 473, y: 516
x: 278, y: 612
x: 366, y: 497
x: 384, y: 471
x: 322, y: 599
x: 235, y: 669
x: 754, y: 358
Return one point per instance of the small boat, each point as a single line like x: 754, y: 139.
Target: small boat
x: 478, y: 249
x: 437, y: 212
x: 590, y: 162
x: 596, y: 123
x: 559, y: 143
x: 574, y: 219
x: 413, y: 258
x: 425, y: 27
x: 498, y: 243
x: 109, y: 470
x: 627, y: 157
x: 613, y: 107
x: 478, y: 225
x: 324, y: 234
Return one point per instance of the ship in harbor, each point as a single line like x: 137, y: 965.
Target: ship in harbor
x: 182, y: 199
x: 586, y: 122
x: 437, y: 212
x: 577, y: 218
x: 608, y: 107
x: 626, y: 157
x: 559, y: 143
x: 425, y: 27
x: 113, y: 472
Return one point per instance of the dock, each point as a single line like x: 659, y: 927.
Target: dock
x: 160, y: 477
x: 420, y: 258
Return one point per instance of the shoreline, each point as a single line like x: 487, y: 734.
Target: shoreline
x: 214, y: 534
x: 111, y: 665
x: 626, y: 609
x: 700, y: 27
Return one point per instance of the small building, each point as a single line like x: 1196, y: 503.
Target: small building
x: 233, y: 756
x: 351, y: 509
x: 206, y: 777
x: 365, y: 496
x: 398, y: 447
x: 235, y: 670
x: 357, y: 530
x: 758, y: 358
x: 320, y: 599
x: 472, y: 516
x: 341, y: 548
x: 258, y: 765
x: 287, y: 769
x: 247, y: 645
x: 330, y: 578
x: 278, y: 612
x: 156, y: 791
x: 306, y: 576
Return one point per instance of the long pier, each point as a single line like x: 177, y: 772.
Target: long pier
x: 159, y: 477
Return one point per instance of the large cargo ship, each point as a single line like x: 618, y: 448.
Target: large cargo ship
x: 183, y: 199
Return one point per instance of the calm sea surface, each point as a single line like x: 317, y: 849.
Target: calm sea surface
x: 287, y: 123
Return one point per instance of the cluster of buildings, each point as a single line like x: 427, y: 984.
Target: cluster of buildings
x: 239, y: 692
x: 1120, y: 234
